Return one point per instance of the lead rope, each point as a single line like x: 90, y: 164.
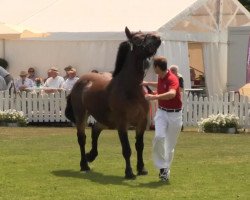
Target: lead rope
x: 146, y: 66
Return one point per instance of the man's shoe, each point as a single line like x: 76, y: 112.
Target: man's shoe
x: 164, y: 174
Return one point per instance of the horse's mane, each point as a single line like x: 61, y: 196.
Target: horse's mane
x: 123, y: 50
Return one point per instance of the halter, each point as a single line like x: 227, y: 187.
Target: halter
x: 140, y: 44
x: 143, y: 44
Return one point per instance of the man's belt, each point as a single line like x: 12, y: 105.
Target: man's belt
x: 170, y: 110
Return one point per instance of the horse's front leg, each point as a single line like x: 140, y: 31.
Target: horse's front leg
x: 139, y: 146
x: 81, y: 136
x: 126, y: 152
x: 95, y: 132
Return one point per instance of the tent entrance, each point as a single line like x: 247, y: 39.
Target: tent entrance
x: 196, y: 62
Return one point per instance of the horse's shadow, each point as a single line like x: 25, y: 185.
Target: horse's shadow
x: 92, y: 176
x: 105, y: 179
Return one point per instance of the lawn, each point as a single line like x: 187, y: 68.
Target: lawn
x: 43, y: 163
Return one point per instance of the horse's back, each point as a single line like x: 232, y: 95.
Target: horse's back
x: 96, y: 81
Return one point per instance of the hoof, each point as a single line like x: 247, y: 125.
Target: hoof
x: 84, y: 171
x: 85, y: 168
x: 130, y: 176
x: 142, y: 172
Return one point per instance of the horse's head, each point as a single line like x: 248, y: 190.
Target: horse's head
x: 146, y: 44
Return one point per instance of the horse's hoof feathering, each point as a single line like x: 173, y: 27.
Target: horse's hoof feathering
x: 85, y: 169
x: 130, y: 176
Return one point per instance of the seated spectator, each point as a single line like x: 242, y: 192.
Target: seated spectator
x: 175, y: 70
x: 48, y: 75
x: 71, y: 80
x: 3, y: 63
x: 2, y: 84
x: 4, y: 73
x: 67, y: 69
x: 31, y: 74
x: 95, y: 71
x: 23, y: 83
x: 54, y: 82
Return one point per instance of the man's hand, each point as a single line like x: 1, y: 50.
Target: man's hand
x: 144, y: 83
x: 150, y: 97
x: 22, y: 88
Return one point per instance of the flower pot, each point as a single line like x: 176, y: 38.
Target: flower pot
x: 12, y: 124
x: 2, y: 123
x: 220, y: 130
x: 231, y: 130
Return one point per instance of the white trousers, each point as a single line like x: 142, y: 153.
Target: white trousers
x: 167, y: 129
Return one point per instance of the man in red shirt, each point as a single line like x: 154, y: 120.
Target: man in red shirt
x: 168, y: 118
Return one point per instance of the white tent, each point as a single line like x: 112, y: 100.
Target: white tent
x: 86, y: 34
x: 207, y: 22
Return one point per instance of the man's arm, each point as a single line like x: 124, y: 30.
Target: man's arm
x: 164, y: 96
x: 153, y: 84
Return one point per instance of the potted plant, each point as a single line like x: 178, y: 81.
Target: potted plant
x: 2, y: 118
x: 14, y: 118
x: 227, y: 123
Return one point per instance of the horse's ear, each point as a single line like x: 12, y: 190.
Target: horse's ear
x: 128, y: 33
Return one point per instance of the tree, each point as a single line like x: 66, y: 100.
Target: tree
x: 245, y: 3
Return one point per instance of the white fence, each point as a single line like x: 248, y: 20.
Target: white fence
x: 195, y: 108
x: 50, y: 107
x: 37, y: 107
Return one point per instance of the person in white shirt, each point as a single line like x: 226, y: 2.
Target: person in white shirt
x: 2, y: 84
x: 6, y: 75
x: 67, y: 69
x: 55, y: 82
x: 23, y: 83
x: 71, y: 80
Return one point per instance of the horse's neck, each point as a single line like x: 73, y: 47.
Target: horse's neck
x: 133, y: 72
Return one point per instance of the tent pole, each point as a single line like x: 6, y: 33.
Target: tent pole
x: 3, y: 48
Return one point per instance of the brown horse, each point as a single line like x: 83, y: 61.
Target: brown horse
x: 115, y: 102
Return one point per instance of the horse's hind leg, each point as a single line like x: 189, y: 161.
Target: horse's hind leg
x: 81, y: 136
x: 126, y: 152
x: 95, y: 132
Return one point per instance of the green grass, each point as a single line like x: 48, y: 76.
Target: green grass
x: 43, y: 163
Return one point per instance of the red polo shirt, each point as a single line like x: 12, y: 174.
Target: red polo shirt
x: 170, y: 81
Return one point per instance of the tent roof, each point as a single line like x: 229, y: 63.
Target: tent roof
x: 91, y: 16
x: 210, y: 16
x: 104, y: 19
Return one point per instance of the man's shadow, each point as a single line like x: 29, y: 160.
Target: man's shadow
x: 105, y: 179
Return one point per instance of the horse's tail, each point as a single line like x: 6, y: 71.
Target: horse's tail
x: 69, y: 113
